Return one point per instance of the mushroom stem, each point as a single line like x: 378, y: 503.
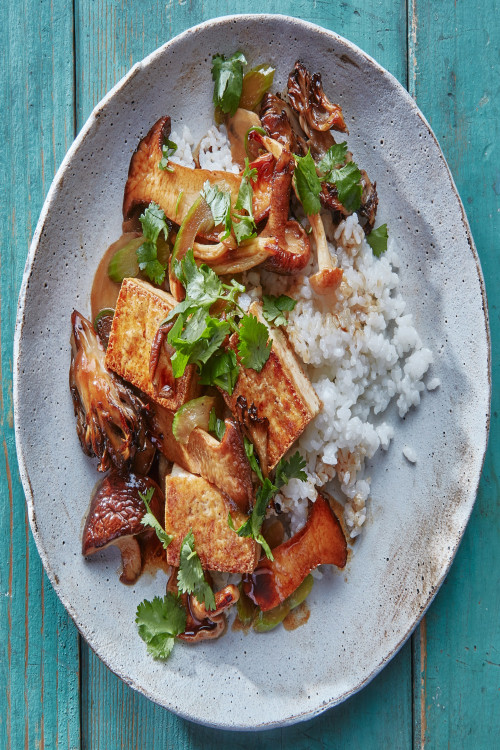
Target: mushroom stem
x: 327, y: 279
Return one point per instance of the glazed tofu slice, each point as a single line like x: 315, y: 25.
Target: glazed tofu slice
x: 192, y: 503
x: 280, y: 393
x: 140, y: 309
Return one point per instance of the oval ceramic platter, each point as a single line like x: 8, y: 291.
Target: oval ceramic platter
x: 358, y: 618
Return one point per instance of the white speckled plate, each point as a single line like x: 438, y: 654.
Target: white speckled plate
x: 418, y: 512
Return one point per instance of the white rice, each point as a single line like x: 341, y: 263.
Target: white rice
x: 359, y: 348
x: 410, y: 454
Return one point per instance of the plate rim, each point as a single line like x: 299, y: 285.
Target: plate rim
x: 46, y: 208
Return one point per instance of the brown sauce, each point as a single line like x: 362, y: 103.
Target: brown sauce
x: 104, y: 291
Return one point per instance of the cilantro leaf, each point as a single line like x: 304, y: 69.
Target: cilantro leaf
x: 222, y: 370
x: 190, y: 576
x: 291, y: 469
x: 252, y: 458
x: 377, y: 239
x: 285, y: 470
x: 159, y: 622
x: 349, y: 188
x: 216, y: 426
x: 308, y: 183
x: 253, y: 524
x: 254, y: 347
x: 168, y: 149
x: 334, y: 157
x: 227, y: 75
x: 153, y: 222
x: 245, y: 227
x: 274, y: 307
x: 220, y: 205
x: 149, y: 519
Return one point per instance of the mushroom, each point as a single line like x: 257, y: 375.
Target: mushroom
x: 290, y: 244
x: 321, y: 541
x: 115, y: 517
x: 203, y: 624
x: 278, y: 121
x: 109, y: 416
x: 175, y: 191
x: 327, y: 279
x: 283, y: 245
x: 315, y: 111
x: 369, y: 203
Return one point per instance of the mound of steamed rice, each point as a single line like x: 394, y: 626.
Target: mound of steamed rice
x: 359, y: 348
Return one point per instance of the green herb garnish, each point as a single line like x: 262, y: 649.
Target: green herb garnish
x: 153, y: 222
x: 285, y: 470
x: 168, y: 149
x: 149, y: 519
x: 190, y: 576
x: 274, y: 307
x: 227, y: 75
x: 159, y: 622
x: 334, y: 158
x: 254, y: 346
x: 244, y: 227
x: 220, y: 205
x: 216, y: 426
x: 377, y: 239
x: 308, y: 183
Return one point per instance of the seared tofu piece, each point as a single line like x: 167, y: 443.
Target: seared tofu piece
x: 280, y: 393
x: 192, y: 503
x: 140, y: 309
x: 223, y: 463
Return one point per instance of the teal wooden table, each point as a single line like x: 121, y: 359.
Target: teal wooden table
x: 59, y: 57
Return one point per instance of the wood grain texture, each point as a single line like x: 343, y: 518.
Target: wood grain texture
x: 39, y: 667
x: 112, y: 715
x: 457, y: 652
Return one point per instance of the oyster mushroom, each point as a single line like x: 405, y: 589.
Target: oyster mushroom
x: 109, y: 416
x: 115, y: 517
x: 328, y: 278
x: 276, y: 117
x: 321, y: 541
x: 175, y: 191
x: 315, y: 111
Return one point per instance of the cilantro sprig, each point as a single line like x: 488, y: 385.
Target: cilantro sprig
x: 244, y: 227
x: 199, y: 338
x: 333, y: 169
x: 219, y: 200
x: 149, y: 519
x: 158, y: 622
x: 377, y: 239
x: 227, y: 74
x: 254, y: 346
x: 220, y: 205
x: 274, y: 307
x: 153, y: 222
x: 308, y: 183
x: 168, y: 149
x: 216, y: 426
x: 285, y: 470
x: 190, y: 576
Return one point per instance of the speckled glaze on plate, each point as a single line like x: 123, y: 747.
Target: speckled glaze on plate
x: 417, y: 515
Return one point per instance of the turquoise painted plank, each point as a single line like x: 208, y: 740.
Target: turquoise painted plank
x: 39, y: 668
x: 110, y: 37
x: 457, y: 652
